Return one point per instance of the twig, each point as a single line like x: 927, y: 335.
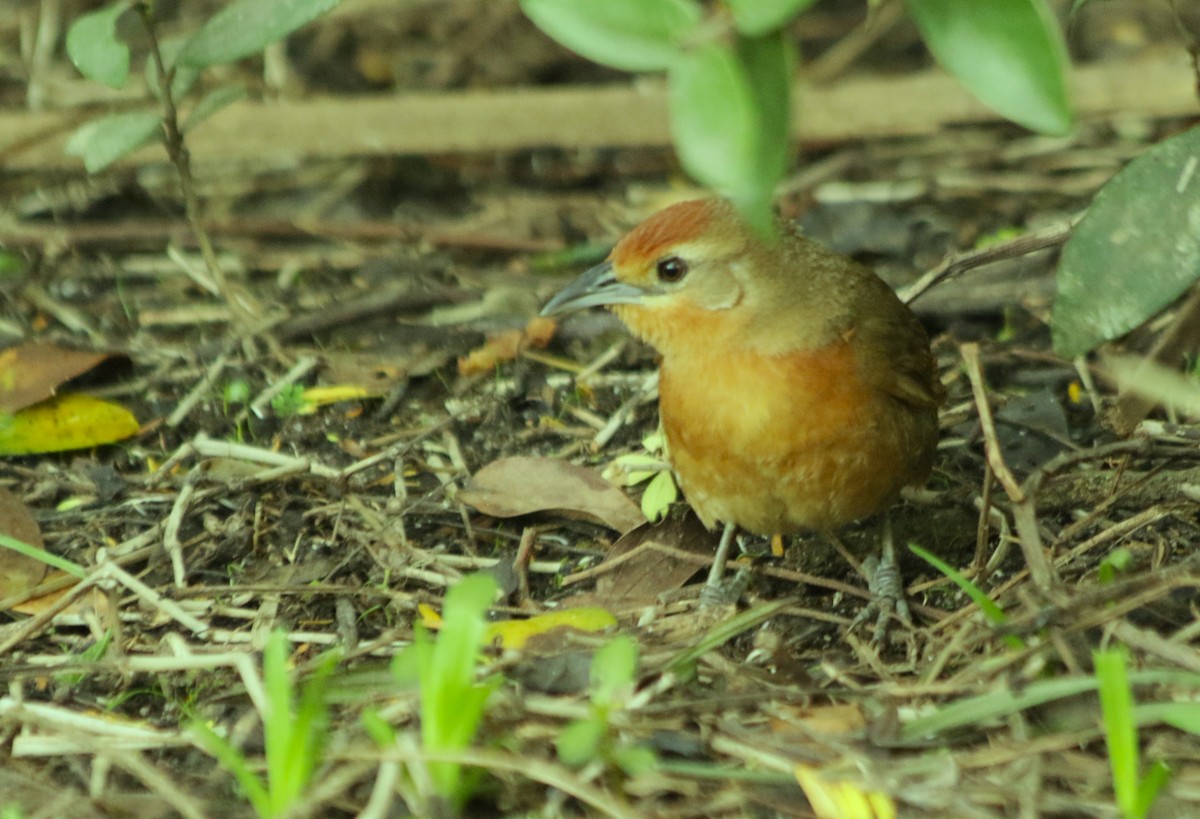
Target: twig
x: 958, y: 263
x: 1024, y: 512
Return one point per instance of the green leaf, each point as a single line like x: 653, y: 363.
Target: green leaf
x: 1120, y: 731
x: 93, y: 46
x: 579, y: 742
x: 213, y: 102
x: 1135, y: 251
x: 755, y: 17
x: 1008, y: 53
x: 246, y: 27
x: 452, y: 703
x: 60, y: 563
x: 990, y: 609
x: 769, y: 61
x: 659, y: 495
x: 1184, y: 716
x: 636, y: 760
x: 613, y: 668
x: 632, y: 35
x: 1151, y: 785
x: 714, y: 119
x: 103, y: 141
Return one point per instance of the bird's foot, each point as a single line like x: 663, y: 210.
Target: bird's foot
x: 724, y: 593
x: 887, y: 588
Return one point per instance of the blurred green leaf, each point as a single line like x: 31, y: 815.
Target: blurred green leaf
x: 579, y: 742
x: 93, y: 46
x: 246, y: 27
x: 103, y: 141
x: 714, y: 119
x: 659, y: 495
x: 768, y: 61
x: 632, y: 35
x: 1135, y: 251
x: 1008, y: 53
x: 755, y: 17
x: 613, y: 668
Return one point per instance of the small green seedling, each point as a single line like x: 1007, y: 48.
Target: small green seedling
x: 290, y: 401
x: 649, y: 465
x: 295, y: 730
x: 1114, y: 563
x: 1135, y: 793
x: 613, y: 675
x: 453, y: 699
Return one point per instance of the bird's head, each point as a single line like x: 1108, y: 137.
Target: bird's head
x: 690, y: 272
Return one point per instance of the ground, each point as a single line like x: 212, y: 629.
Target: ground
x: 236, y: 509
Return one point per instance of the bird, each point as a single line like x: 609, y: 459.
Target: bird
x: 797, y: 392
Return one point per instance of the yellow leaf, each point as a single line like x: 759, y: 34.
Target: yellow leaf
x: 834, y: 799
x: 320, y: 396
x: 65, y: 422
x: 515, y: 634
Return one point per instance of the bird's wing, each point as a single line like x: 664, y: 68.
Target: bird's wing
x: 894, y: 350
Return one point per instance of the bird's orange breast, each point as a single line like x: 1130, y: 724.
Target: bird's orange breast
x: 780, y: 443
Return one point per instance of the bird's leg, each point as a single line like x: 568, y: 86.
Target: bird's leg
x: 887, y: 586
x: 712, y: 592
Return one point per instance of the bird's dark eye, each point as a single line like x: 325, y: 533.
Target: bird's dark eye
x: 671, y: 269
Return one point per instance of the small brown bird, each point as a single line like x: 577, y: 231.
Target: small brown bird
x: 796, y: 390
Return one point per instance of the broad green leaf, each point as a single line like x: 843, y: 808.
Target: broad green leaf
x: 613, y: 667
x: 632, y: 35
x: 768, y: 61
x: 715, y: 122
x: 1008, y: 53
x: 246, y: 27
x: 103, y: 141
x: 659, y: 495
x: 93, y: 46
x: 1136, y: 249
x: 755, y: 17
x: 63, y: 423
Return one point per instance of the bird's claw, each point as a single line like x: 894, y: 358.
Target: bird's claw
x: 887, y: 588
x: 725, y: 593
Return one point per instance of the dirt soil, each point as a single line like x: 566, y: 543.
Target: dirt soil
x: 412, y: 278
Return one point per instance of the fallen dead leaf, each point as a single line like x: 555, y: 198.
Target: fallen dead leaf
x: 638, y: 579
x: 18, y: 573
x: 506, y: 346
x: 523, y: 485
x: 30, y: 373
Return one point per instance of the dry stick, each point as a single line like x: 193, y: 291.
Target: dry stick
x: 196, y: 393
x: 982, y: 529
x: 171, y: 542
x: 1024, y: 513
x: 958, y: 263
x: 245, y: 312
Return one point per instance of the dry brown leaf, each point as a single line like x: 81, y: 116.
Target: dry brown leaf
x: 639, y: 580
x: 18, y: 573
x: 506, y: 346
x: 32, y: 372
x: 522, y: 485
